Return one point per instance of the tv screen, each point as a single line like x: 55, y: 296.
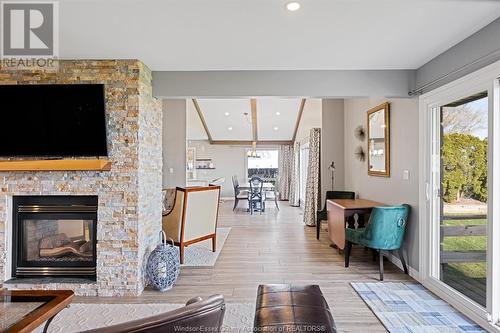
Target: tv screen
x: 52, y: 120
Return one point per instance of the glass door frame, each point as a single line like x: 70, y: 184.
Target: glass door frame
x: 485, y: 79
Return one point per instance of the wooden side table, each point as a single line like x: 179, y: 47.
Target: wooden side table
x: 339, y: 210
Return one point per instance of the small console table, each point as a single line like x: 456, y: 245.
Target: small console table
x: 339, y: 210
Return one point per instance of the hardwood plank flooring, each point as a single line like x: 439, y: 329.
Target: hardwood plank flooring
x: 276, y: 247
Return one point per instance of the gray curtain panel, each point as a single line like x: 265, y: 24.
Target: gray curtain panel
x: 294, y: 199
x: 285, y: 163
x: 313, y: 182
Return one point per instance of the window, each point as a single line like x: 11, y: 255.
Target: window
x: 263, y: 163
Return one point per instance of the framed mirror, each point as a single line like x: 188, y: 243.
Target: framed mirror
x: 379, y: 148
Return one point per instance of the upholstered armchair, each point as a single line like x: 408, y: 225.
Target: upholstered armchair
x: 194, y: 217
x: 198, y: 314
x: 322, y: 215
x: 384, y: 232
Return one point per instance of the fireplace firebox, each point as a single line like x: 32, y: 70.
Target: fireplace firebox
x: 54, y: 236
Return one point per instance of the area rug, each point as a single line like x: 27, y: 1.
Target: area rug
x: 200, y: 254
x: 81, y: 317
x: 408, y: 307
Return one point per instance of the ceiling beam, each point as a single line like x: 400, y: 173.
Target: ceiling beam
x: 299, y: 117
x: 253, y: 107
x: 202, y: 118
x: 250, y: 142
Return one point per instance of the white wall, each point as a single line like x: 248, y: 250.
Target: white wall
x: 404, y: 156
x: 311, y: 118
x: 332, y: 144
x: 228, y: 160
x: 174, y: 142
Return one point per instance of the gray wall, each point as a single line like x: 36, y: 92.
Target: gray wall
x: 174, y: 142
x: 336, y: 84
x: 480, y: 44
x: 404, y: 156
x: 332, y: 144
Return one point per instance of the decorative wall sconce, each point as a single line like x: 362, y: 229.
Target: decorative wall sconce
x: 359, y: 153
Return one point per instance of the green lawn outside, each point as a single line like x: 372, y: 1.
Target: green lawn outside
x: 470, y: 243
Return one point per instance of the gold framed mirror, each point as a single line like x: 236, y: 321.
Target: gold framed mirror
x: 379, y: 147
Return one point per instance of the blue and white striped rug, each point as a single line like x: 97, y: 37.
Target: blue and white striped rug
x: 405, y: 307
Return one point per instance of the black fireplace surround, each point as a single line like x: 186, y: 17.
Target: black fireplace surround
x: 54, y: 236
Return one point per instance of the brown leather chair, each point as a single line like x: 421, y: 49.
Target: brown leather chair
x: 206, y: 315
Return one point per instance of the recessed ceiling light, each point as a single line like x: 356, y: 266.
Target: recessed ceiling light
x: 292, y: 6
x: 275, y: 128
x: 229, y: 128
x: 278, y: 113
x: 226, y: 114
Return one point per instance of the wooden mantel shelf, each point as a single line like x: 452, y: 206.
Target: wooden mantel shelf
x: 56, y: 165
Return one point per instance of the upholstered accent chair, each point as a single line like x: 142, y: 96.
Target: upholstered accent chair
x: 322, y: 215
x: 385, y: 232
x: 194, y: 217
x: 205, y: 315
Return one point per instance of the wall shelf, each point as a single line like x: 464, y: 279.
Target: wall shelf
x: 56, y: 165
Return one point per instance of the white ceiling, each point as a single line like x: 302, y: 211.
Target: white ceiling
x: 261, y: 34
x: 214, y: 110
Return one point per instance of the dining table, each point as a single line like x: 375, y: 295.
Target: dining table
x: 265, y: 187
x: 23, y: 311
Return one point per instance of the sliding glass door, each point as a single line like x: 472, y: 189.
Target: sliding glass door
x: 460, y: 194
x: 463, y: 190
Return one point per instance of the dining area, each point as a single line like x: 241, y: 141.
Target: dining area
x: 255, y: 192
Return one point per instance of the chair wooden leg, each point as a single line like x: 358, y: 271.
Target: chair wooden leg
x: 181, y: 253
x: 235, y: 203
x: 276, y: 203
x: 347, y: 253
x: 381, y: 265
x: 402, y: 258
x: 214, y: 243
x: 318, y: 228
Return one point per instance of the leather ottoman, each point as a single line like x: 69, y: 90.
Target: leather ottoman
x: 288, y: 308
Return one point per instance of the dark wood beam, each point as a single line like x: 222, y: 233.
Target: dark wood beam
x: 299, y: 117
x: 202, y: 118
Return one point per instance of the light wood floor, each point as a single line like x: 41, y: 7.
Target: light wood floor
x: 276, y: 247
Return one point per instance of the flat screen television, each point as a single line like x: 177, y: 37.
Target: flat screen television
x: 57, y: 120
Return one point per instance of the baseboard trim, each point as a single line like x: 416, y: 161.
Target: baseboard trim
x: 411, y: 271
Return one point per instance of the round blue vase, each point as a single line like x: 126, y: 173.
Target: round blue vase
x: 163, y: 264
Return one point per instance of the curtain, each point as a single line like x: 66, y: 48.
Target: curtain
x: 285, y: 162
x: 294, y: 198
x: 313, y: 182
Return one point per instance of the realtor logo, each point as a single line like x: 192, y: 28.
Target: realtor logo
x: 29, y: 34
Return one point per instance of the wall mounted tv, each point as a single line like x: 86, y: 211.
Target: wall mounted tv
x: 58, y: 120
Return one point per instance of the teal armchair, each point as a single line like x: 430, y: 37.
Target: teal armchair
x: 384, y: 232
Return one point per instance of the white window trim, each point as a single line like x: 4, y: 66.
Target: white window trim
x: 486, y: 77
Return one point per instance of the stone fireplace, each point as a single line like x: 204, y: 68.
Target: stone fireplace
x: 128, y: 196
x: 54, y: 236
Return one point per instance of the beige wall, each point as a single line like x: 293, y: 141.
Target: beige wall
x: 404, y: 156
x: 228, y: 161
x: 332, y: 144
x: 174, y: 143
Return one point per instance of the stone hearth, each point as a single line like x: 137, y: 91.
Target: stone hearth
x: 129, y: 195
